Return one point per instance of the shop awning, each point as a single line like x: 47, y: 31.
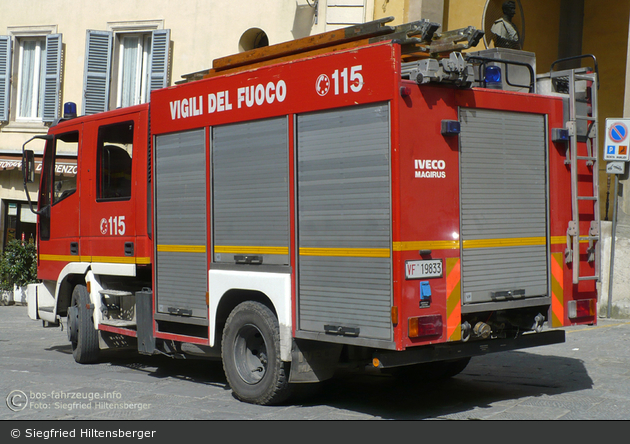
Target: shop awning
x: 64, y: 165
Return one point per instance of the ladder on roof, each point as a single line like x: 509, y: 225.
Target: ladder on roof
x: 419, y: 39
x: 581, y: 86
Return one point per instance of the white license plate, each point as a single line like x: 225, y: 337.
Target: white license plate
x: 423, y: 269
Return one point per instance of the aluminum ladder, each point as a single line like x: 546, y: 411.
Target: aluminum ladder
x: 581, y: 86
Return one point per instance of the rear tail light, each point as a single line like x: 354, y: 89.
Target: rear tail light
x: 581, y: 308
x: 425, y: 326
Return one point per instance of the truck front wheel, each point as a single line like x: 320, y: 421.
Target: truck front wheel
x: 84, y: 338
x: 251, y: 355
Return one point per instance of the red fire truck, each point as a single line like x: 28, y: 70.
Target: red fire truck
x: 369, y: 197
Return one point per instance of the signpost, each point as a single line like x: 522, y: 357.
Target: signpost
x: 616, y: 153
x: 616, y: 167
x: 617, y: 139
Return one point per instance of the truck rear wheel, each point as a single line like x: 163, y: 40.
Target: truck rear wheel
x: 85, y: 337
x: 251, y: 355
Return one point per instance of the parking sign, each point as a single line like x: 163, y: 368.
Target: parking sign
x: 617, y: 139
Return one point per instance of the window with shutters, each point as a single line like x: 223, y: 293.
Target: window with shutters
x: 134, y: 53
x: 30, y: 75
x: 124, y: 64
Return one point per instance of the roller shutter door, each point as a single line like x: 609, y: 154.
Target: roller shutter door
x: 344, y: 222
x: 503, y: 206
x: 251, y: 192
x: 182, y: 266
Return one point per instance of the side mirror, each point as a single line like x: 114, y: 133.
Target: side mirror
x: 28, y: 166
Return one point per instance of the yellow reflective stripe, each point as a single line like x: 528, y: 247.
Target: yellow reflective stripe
x: 505, y: 242
x: 64, y: 258
x: 426, y: 245
x: 239, y: 249
x: 474, y: 243
x: 563, y: 240
x: 113, y: 260
x: 103, y: 259
x: 182, y: 248
x: 346, y: 252
x: 558, y: 240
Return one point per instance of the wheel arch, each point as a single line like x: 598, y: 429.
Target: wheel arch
x: 270, y: 289
x: 231, y: 299
x: 64, y: 291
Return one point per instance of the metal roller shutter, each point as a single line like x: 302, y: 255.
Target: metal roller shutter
x: 344, y: 221
x: 181, y: 223
x: 251, y: 192
x: 503, y: 205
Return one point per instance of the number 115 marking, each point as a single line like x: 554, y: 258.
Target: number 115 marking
x: 355, y: 81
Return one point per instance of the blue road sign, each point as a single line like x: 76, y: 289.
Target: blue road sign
x: 618, y: 132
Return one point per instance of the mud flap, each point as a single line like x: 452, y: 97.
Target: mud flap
x: 313, y: 361
x: 144, y: 320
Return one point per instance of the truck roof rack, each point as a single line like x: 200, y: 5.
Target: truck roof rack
x: 419, y: 39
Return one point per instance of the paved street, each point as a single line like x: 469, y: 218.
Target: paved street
x: 586, y: 378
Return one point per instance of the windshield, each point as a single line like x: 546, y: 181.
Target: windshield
x: 59, y: 176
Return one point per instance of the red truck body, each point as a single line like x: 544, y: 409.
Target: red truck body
x: 373, y: 216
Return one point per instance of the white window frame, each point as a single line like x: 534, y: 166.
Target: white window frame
x: 37, y: 97
x: 19, y: 34
x: 142, y: 28
x: 141, y: 74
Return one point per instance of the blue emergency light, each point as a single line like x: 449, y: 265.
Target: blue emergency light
x: 492, y: 76
x: 69, y: 110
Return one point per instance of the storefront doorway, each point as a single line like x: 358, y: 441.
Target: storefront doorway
x: 19, y: 222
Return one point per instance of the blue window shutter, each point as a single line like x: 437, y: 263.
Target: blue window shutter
x: 98, y: 56
x: 160, y: 47
x: 52, y: 82
x: 5, y: 76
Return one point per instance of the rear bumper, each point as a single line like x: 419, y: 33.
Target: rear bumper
x: 457, y: 350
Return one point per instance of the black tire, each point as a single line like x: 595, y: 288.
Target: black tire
x: 251, y: 355
x: 85, y: 347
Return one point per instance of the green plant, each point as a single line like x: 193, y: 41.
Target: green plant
x: 18, y: 265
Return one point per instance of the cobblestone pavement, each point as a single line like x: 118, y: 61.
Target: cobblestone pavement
x: 585, y: 378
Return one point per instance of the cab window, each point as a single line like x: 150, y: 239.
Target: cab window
x: 114, y: 154
x: 65, y: 167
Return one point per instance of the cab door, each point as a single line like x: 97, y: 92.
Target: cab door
x: 110, y: 224
x: 59, y: 198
